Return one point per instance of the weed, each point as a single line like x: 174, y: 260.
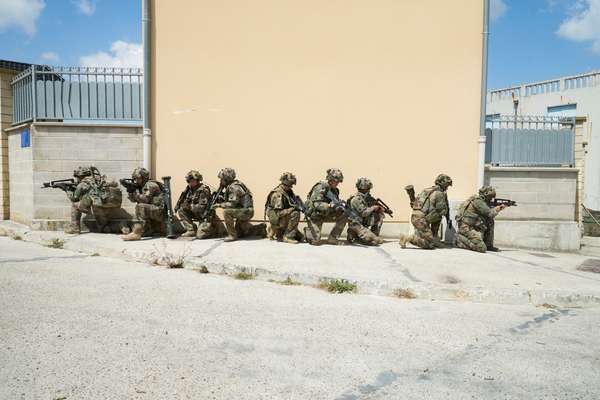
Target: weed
x: 341, y: 286
x: 405, y: 294
x: 160, y: 256
x: 548, y: 305
x: 95, y: 255
x: 203, y: 270
x: 289, y: 282
x: 16, y: 237
x: 56, y: 243
x: 244, y: 276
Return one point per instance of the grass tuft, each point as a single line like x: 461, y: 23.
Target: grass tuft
x: 289, y: 282
x: 95, y: 255
x: 56, y: 243
x: 16, y: 237
x: 341, y: 286
x: 244, y: 276
x: 405, y: 294
x: 203, y: 270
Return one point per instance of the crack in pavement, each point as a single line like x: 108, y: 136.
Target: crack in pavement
x: 545, y: 267
x: 210, y: 249
x: 395, y: 264
x: 19, y: 260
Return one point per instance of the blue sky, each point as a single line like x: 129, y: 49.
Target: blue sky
x: 530, y: 39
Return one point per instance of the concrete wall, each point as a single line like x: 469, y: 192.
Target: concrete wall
x: 587, y: 100
x: 269, y: 86
x: 5, y: 123
x: 541, y: 193
x: 56, y: 150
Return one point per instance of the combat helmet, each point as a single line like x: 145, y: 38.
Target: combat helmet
x: 82, y: 171
x: 288, y: 179
x: 443, y: 181
x: 193, y: 174
x: 364, y: 184
x: 334, y: 174
x: 227, y: 174
x: 140, y: 172
x: 487, y: 192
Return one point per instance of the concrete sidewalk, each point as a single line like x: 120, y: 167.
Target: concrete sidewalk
x: 508, y: 277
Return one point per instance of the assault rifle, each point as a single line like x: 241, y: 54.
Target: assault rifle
x: 214, y: 199
x: 170, y: 218
x: 503, y: 202
x: 182, y: 197
x: 66, y: 185
x: 385, y: 207
x: 342, y: 206
x: 129, y: 185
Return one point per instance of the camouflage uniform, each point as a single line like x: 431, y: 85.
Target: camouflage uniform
x: 476, y: 222
x: 429, y: 208
x: 319, y: 210
x: 282, y: 211
x: 238, y: 208
x: 193, y: 207
x: 363, y: 204
x: 149, y: 208
x: 90, y: 197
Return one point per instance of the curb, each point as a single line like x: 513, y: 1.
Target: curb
x: 404, y: 290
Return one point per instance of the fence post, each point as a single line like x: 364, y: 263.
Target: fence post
x: 34, y: 93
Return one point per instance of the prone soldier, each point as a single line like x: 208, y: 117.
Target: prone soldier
x: 372, y: 215
x: 150, y: 204
x: 283, y: 211
x: 428, y: 209
x: 475, y: 220
x: 194, y: 204
x: 238, y: 208
x: 321, y: 208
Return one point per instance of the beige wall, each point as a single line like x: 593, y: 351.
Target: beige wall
x: 385, y: 89
x: 6, y: 113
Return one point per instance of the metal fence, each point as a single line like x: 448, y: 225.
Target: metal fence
x: 543, y: 141
x: 44, y: 93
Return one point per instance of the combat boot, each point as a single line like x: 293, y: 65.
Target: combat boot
x: 73, y: 229
x: 271, y: 233
x: 335, y: 242
x: 188, y: 234
x: 403, y: 240
x: 261, y: 230
x: 289, y: 240
x: 136, y: 233
x: 492, y: 248
x: 230, y: 238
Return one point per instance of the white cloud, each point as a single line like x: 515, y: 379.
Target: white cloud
x: 122, y: 55
x: 50, y: 57
x: 21, y: 14
x: 583, y: 24
x: 497, y: 9
x: 87, y: 7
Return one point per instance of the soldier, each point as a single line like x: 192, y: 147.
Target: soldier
x: 192, y: 205
x: 150, y: 207
x: 320, y: 209
x: 98, y: 196
x: 283, y: 212
x: 475, y: 220
x: 363, y: 204
x: 428, y: 209
x: 238, y: 208
x: 81, y: 201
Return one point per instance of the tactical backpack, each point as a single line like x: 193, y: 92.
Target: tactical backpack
x: 423, y: 200
x: 105, y: 193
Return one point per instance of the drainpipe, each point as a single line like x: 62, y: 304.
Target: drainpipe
x: 484, y: 72
x: 147, y: 133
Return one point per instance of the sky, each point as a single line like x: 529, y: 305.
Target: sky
x: 530, y: 40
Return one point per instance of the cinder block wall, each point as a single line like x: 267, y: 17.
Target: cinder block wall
x: 6, y: 113
x: 56, y: 150
x: 541, y: 193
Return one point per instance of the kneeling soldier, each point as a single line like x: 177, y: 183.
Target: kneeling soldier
x: 81, y: 201
x: 283, y: 212
x: 238, y: 208
x: 192, y: 205
x: 475, y: 220
x: 363, y: 204
x: 321, y: 209
x: 150, y: 207
x: 428, y: 209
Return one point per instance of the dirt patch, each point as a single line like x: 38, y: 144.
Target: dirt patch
x: 590, y: 265
x: 449, y: 279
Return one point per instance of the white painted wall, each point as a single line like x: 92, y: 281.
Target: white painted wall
x: 560, y: 92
